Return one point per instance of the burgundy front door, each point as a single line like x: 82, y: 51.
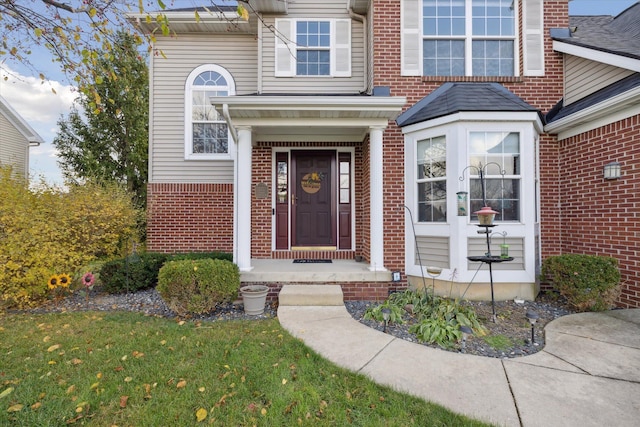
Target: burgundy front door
x: 313, y: 215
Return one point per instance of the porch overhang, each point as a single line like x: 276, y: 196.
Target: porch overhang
x: 289, y: 117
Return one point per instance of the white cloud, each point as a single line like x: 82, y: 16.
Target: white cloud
x: 39, y: 106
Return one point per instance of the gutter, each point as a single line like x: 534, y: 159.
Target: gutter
x: 365, y: 36
x: 227, y: 118
x: 596, y: 111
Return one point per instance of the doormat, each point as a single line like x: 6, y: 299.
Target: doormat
x: 312, y: 261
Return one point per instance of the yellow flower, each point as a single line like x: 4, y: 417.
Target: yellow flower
x: 53, y: 282
x: 64, y: 280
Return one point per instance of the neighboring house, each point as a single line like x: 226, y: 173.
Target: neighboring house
x: 16, y: 136
x: 344, y: 130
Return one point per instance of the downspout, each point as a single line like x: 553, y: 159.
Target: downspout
x: 234, y: 136
x: 365, y: 40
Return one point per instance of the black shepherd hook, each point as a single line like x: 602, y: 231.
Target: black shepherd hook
x: 481, y: 171
x: 415, y: 238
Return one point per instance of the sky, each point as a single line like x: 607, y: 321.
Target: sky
x: 41, y: 108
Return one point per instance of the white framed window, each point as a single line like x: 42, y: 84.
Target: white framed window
x: 313, y: 47
x: 206, y: 132
x: 498, y: 154
x: 468, y: 38
x: 431, y: 179
x: 471, y: 37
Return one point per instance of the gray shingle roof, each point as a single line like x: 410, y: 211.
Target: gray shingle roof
x: 595, y: 98
x: 619, y: 35
x: 452, y: 98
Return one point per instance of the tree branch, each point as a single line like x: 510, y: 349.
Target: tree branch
x: 59, y: 5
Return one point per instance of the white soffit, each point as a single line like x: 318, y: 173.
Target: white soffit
x: 598, y: 55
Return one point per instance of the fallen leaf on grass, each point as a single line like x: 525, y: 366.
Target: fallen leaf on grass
x: 123, y: 401
x: 53, y: 348
x: 76, y: 361
x: 181, y: 384
x: 201, y: 414
x: 36, y: 405
x: 290, y: 407
x: 15, y: 408
x: 6, y: 392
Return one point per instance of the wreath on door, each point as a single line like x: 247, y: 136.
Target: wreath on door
x: 312, y: 182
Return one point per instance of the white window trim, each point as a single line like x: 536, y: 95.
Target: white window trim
x: 412, y: 58
x: 188, y: 129
x: 286, y: 47
x: 460, y: 228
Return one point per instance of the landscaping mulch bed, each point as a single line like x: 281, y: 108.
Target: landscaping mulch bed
x: 147, y: 301
x: 509, y: 336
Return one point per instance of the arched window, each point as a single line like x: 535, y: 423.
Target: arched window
x: 206, y: 132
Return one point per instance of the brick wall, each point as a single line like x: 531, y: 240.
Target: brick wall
x: 600, y: 217
x: 189, y: 217
x: 541, y: 92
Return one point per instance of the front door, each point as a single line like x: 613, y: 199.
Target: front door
x: 313, y: 214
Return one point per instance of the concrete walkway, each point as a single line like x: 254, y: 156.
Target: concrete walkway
x: 588, y: 374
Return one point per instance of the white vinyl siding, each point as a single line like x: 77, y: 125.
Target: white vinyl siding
x: 584, y: 77
x: 533, y: 37
x: 344, y: 80
x: 169, y: 73
x: 13, y: 148
x: 478, y: 247
x: 433, y: 251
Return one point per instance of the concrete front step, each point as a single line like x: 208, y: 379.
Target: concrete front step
x: 310, y: 295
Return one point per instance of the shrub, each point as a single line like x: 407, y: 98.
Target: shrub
x: 589, y: 282
x: 48, y: 231
x: 198, y: 286
x: 202, y: 255
x: 132, y: 273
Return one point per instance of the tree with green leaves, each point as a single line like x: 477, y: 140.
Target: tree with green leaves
x: 107, y: 138
x: 75, y: 31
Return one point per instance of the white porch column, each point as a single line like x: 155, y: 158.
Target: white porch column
x: 242, y: 224
x: 376, y: 199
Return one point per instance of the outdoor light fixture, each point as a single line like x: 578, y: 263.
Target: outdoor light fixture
x: 486, y: 216
x: 386, y: 313
x: 466, y: 331
x: 612, y: 170
x: 532, y: 317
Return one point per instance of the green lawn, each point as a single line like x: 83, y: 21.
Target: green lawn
x: 127, y: 369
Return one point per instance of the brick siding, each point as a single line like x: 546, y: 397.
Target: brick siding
x: 598, y: 216
x: 189, y: 217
